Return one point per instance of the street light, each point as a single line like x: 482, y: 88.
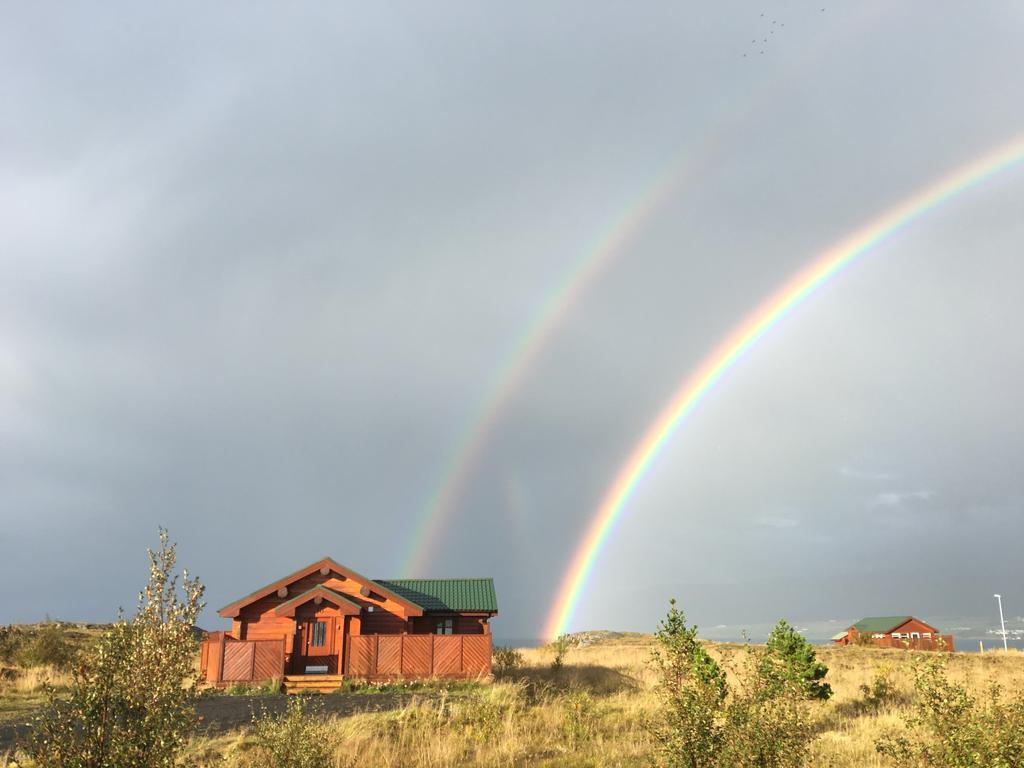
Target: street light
x: 1002, y: 623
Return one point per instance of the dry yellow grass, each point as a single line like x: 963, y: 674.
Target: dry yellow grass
x: 529, y: 719
x: 526, y: 721
x: 27, y: 690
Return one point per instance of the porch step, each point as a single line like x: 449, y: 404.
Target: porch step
x: 311, y: 683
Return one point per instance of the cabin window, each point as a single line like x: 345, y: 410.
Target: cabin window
x: 446, y: 626
x: 878, y: 637
x: 897, y: 635
x: 915, y: 635
x: 319, y: 639
x: 926, y: 634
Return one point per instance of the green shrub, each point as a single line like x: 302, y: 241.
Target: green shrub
x: 46, y: 646
x: 506, y: 660
x: 296, y: 738
x: 951, y: 728
x: 580, y: 714
x: 790, y: 657
x: 11, y: 640
x: 762, y: 721
x: 876, y: 693
x: 560, y: 645
x: 132, y: 696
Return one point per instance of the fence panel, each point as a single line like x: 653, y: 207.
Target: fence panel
x: 389, y: 655
x: 238, y: 659
x: 417, y: 655
x: 447, y: 655
x: 362, y: 661
x: 476, y: 655
x: 268, y: 660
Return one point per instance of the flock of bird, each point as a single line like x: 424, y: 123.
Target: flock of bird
x: 775, y: 25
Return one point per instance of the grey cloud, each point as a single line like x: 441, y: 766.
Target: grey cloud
x: 257, y: 269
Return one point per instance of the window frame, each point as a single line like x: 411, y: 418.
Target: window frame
x: 318, y: 634
x: 445, y: 626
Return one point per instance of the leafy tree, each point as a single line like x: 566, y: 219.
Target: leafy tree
x: 560, y: 645
x: 692, y: 689
x: 791, y: 658
x: 132, y: 696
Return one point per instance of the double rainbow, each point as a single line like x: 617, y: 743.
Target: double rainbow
x: 487, y: 412
x: 696, y: 386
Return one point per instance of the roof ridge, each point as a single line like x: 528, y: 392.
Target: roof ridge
x: 444, y: 578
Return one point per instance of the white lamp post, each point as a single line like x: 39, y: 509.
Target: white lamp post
x: 1002, y: 623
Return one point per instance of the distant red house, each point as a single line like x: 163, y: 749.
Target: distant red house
x: 326, y: 621
x: 896, y: 632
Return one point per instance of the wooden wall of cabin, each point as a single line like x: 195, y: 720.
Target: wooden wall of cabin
x: 461, y: 624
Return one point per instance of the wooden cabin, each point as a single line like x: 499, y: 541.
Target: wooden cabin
x: 895, y: 632
x: 325, y: 622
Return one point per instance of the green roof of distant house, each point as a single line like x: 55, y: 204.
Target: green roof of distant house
x: 446, y: 594
x: 880, y: 624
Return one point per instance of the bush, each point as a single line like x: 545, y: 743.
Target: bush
x: 560, y: 645
x: 506, y: 660
x: 580, y: 714
x: 131, y: 701
x: 950, y: 728
x: 790, y: 657
x: 11, y: 640
x: 47, y: 646
x: 878, y: 691
x: 763, y: 721
x: 863, y: 639
x: 296, y: 738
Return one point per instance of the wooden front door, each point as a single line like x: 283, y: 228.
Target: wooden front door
x: 318, y: 645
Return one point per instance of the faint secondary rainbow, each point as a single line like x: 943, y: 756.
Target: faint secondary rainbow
x: 505, y: 381
x: 697, y: 385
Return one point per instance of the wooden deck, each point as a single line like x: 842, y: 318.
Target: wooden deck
x: 311, y: 683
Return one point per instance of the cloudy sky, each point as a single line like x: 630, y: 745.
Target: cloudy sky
x: 260, y: 267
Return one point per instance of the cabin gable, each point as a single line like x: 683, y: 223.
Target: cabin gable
x: 334, y: 576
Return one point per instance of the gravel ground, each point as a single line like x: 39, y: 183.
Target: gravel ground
x: 220, y: 714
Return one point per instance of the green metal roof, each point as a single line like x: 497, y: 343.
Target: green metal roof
x: 880, y: 624
x: 446, y: 594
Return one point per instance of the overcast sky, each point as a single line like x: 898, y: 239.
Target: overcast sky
x: 259, y: 263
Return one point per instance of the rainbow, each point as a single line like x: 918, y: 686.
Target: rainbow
x: 702, y: 381
x: 487, y: 411
x: 504, y: 383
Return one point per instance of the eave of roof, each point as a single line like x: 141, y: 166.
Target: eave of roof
x: 347, y: 605
x: 231, y: 609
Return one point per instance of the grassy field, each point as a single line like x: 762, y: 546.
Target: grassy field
x: 592, y: 712
x: 589, y: 713
x: 22, y: 679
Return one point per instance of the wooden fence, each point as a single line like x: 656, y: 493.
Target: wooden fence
x: 388, y: 657
x: 223, y: 659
